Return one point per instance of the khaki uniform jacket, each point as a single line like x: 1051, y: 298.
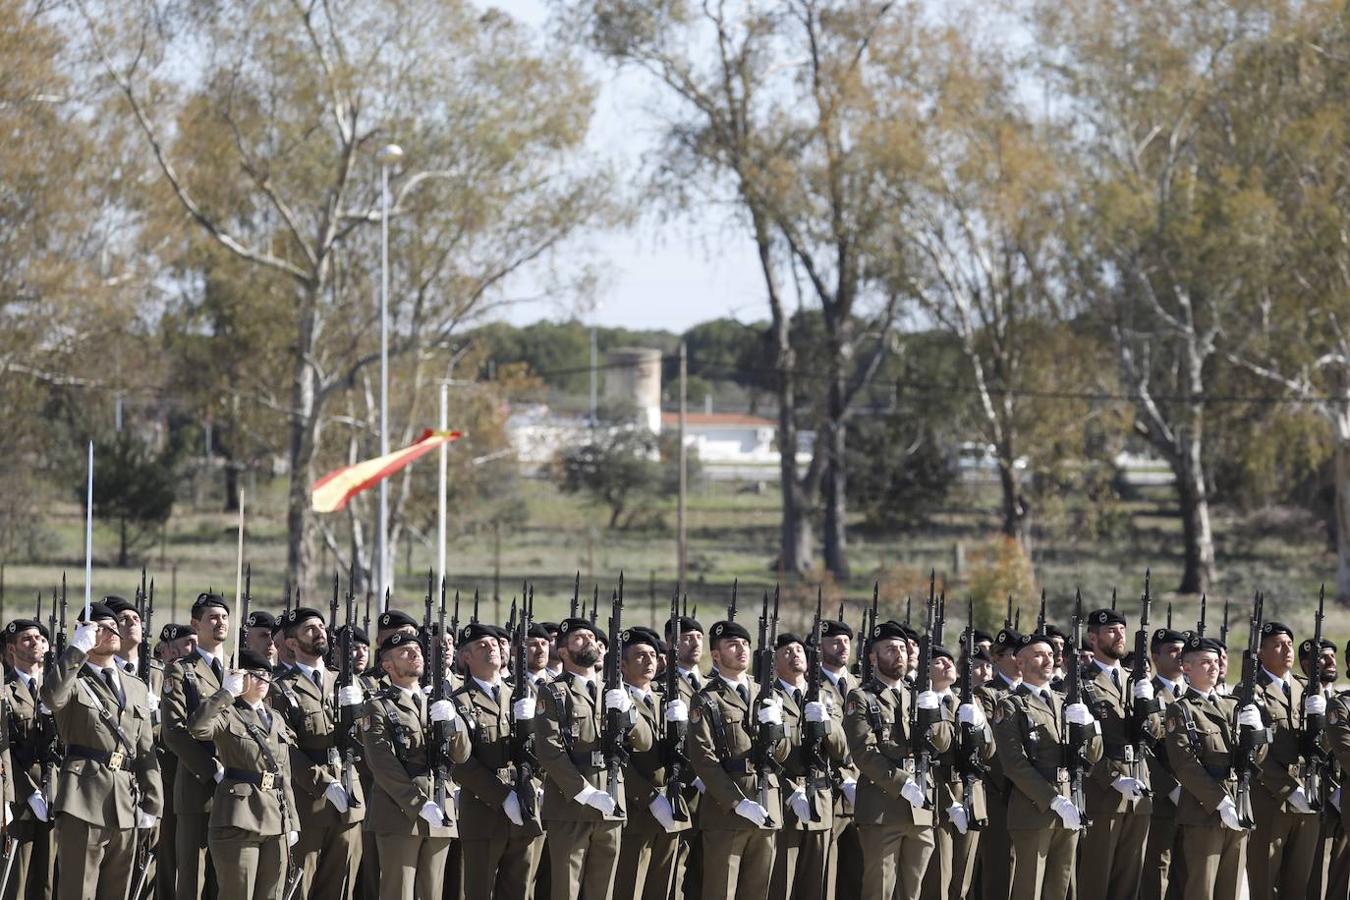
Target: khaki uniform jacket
x: 396, y: 739
x: 1279, y: 770
x: 795, y: 774
x: 567, y: 742
x: 25, y: 745
x: 692, y: 798
x: 238, y: 803
x: 884, y: 753
x: 951, y: 792
x: 187, y: 684
x: 315, y: 761
x: 644, y: 775
x: 989, y: 695
x: 1031, y: 744
x: 1160, y: 775
x: 486, y: 775
x: 844, y: 770
x: 1202, y: 760
x: 1336, y: 740
x: 728, y: 772
x: 87, y: 789
x: 1107, y: 702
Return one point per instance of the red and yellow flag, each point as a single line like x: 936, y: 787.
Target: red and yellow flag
x: 332, y: 492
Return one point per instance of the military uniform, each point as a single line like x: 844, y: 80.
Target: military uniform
x: 995, y: 848
x: 689, y: 853
x: 951, y: 870
x: 159, y: 874
x: 897, y: 837
x: 1336, y: 738
x: 1164, y: 864
x: 1030, y: 740
x: 1112, y: 851
x: 108, y: 781
x: 647, y: 853
x: 31, y: 752
x: 844, y: 868
x: 329, y: 848
x: 802, y: 858
x: 1200, y: 743
x: 737, y: 854
x: 188, y: 681
x: 412, y: 851
x: 500, y: 857
x: 583, y: 845
x: 253, y: 811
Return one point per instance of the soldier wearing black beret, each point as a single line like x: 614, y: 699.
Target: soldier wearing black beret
x: 258, y: 635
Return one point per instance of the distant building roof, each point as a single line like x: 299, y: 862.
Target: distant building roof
x: 713, y: 420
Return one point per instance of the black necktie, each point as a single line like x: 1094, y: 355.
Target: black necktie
x: 1045, y: 695
x: 417, y: 705
x: 797, y: 697
x: 1115, y: 678
x: 266, y: 719
x: 33, y: 689
x: 108, y: 679
x: 317, y: 678
x: 218, y: 671
x: 1285, y: 685
x: 497, y: 695
x: 745, y: 695
x: 694, y: 682
x: 590, y: 689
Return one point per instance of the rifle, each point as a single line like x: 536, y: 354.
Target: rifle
x: 1248, y: 739
x: 869, y: 623
x: 615, y: 725
x: 1223, y: 629
x: 522, y: 731
x: 1113, y: 599
x: 1040, y: 616
x: 331, y: 656
x: 968, y: 764
x: 365, y: 625
x: 1137, y: 713
x: 940, y: 623
x: 438, y: 753
x: 147, y: 629
x: 595, y: 603
x: 1075, y: 747
x: 921, y: 720
x: 731, y: 608
x: 1312, y: 763
x: 426, y: 637
x: 909, y: 609
x: 474, y: 617
x: 674, y: 734
x: 1169, y: 614
x: 454, y: 629
x: 347, y: 739
x: 765, y: 736
x: 576, y: 595
x: 813, y: 733
x: 1200, y: 623
x: 1008, y: 618
x: 243, y: 608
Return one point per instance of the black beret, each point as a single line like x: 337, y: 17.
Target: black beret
x: 1100, y: 617
x: 1055, y: 631
x: 252, y: 661
x: 395, y: 618
x: 118, y: 604
x: 1035, y: 637
x: 1305, y: 648
x: 1198, y: 644
x: 1272, y: 627
x: 359, y: 635
x: 18, y: 625
x: 500, y: 633
x: 1007, y: 638
x: 909, y: 632
x: 279, y: 624
x: 687, y: 623
x: 981, y: 654
x: 831, y: 628
x: 1165, y: 636
x: 261, y: 618
x: 600, y: 634
x: 399, y: 639
x: 938, y: 650
x: 887, y: 631
x: 98, y: 611
x: 475, y: 630
x: 172, y: 632
x: 299, y: 616
x: 786, y: 638
x: 206, y: 600
x: 550, y: 627
x: 728, y: 630
x: 575, y: 623
x: 537, y: 631
x: 631, y: 637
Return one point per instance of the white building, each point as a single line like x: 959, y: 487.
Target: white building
x: 736, y: 447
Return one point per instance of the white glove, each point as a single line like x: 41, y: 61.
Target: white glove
x: 1143, y: 689
x: 800, y: 806
x: 291, y: 838
x: 511, y: 806
x: 1078, y: 714
x: 351, y: 695
x: 1067, y: 812
x: 618, y: 699
x: 152, y: 701
x: 662, y: 811
x: 1249, y: 716
x: 913, y: 793
x: 432, y: 814
x: 929, y: 700
x: 145, y: 820
x: 1228, y: 814
x: 234, y: 682
x: 442, y: 711
x: 86, y: 635
x: 220, y: 772
x: 1130, y: 788
x: 677, y: 711
x: 1299, y: 800
x: 771, y: 712
x: 1175, y: 795
x: 523, y: 710
x: 700, y: 786
x: 336, y: 796
x: 1315, y: 705
x: 970, y: 714
x: 38, y: 804
x: 957, y: 813
x: 850, y: 789
x: 6, y: 814
x: 753, y: 812
x: 816, y: 712
x: 597, y: 800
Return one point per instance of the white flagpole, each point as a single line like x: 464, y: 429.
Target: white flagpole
x: 239, y: 580
x: 89, y: 536
x: 440, y: 508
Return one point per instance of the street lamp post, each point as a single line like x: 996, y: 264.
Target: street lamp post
x: 389, y: 155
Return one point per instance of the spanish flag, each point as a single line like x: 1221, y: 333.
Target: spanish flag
x: 332, y: 492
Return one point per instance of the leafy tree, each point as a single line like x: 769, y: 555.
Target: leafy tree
x: 133, y: 487
x: 616, y: 468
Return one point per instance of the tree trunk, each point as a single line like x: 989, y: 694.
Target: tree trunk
x: 1342, y: 503
x: 303, y: 440
x: 231, y: 485
x: 1013, y: 507
x: 122, y: 542
x: 836, y: 502
x: 1197, y: 536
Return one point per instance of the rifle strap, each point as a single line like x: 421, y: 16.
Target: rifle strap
x: 1192, y: 734
x: 106, y: 717
x: 399, y: 733
x: 261, y: 739
x: 713, y: 713
x: 562, y: 697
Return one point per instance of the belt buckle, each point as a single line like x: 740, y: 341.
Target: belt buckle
x: 269, y: 781
x: 116, y: 758
x: 597, y: 759
x: 1129, y: 753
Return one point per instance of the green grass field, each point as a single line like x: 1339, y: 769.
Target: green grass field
x: 732, y: 536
